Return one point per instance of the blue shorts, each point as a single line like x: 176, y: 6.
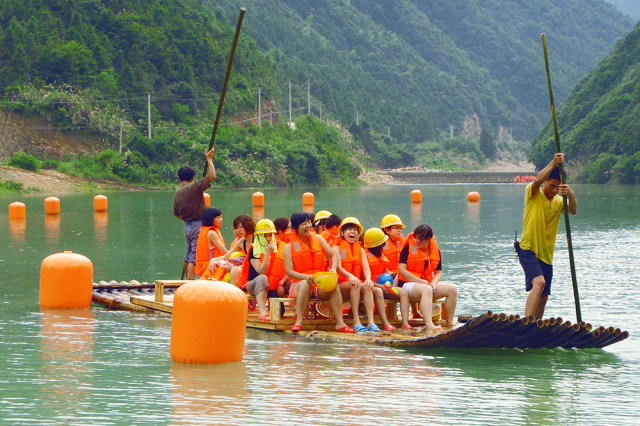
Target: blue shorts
x: 534, y: 267
x: 191, y: 233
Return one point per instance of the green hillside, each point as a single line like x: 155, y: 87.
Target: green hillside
x: 628, y: 7
x: 419, y: 66
x: 599, y: 123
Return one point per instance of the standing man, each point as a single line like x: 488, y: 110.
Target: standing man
x: 188, y: 205
x: 542, y: 210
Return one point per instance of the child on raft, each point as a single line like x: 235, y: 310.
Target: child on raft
x: 420, y: 269
x: 392, y: 226
x: 263, y: 268
x: 283, y: 229
x: 374, y: 240
x: 210, y: 241
x: 305, y: 254
x: 243, y: 227
x: 332, y: 229
x: 319, y: 221
x: 353, y: 266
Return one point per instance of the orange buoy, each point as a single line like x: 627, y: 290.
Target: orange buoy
x: 17, y: 210
x: 52, y: 205
x: 473, y: 196
x: 416, y: 196
x: 258, y: 199
x: 100, y: 203
x: 208, y: 324
x: 308, y: 199
x: 66, y: 281
x: 207, y: 199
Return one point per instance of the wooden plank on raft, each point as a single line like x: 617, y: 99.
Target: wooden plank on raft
x: 150, y: 302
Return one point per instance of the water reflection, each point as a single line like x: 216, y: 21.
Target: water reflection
x: 17, y: 230
x: 308, y: 209
x: 473, y: 211
x: 100, y: 222
x: 66, y: 350
x: 416, y: 213
x: 258, y: 213
x: 209, y: 394
x: 52, y: 228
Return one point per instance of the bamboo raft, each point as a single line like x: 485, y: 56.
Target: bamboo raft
x: 489, y: 330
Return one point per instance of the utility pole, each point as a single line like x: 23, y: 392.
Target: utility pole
x: 357, y: 119
x: 289, y: 103
x: 388, y: 132
x: 308, y: 98
x: 510, y: 136
x: 149, y: 113
x: 450, y: 131
x: 121, y: 137
x: 320, y: 110
x: 259, y: 108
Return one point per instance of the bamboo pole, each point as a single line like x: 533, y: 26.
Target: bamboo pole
x: 574, y: 280
x: 226, y: 82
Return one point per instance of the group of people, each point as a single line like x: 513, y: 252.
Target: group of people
x: 279, y: 258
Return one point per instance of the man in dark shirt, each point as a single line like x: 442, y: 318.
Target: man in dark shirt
x: 188, y: 205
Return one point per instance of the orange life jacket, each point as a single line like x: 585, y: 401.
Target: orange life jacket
x: 329, y: 238
x: 350, y: 258
x: 307, y: 260
x: 418, y: 263
x: 377, y: 265
x: 275, y: 272
x: 203, y: 252
x: 392, y: 251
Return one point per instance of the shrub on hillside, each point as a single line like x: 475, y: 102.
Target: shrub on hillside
x: 24, y: 161
x: 49, y: 164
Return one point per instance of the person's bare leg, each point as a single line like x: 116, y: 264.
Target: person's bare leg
x: 302, y: 292
x: 368, y: 304
x: 261, y: 298
x: 531, y: 308
x: 450, y: 293
x: 191, y: 271
x: 354, y: 296
x: 542, y: 303
x: 335, y: 298
x: 404, y: 305
x: 378, y: 298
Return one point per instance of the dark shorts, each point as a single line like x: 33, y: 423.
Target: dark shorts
x: 534, y: 267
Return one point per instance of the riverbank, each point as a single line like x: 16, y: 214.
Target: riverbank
x: 54, y: 182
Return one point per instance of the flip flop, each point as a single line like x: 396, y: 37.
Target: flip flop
x: 373, y: 327
x: 296, y: 327
x: 345, y: 329
x: 388, y: 327
x: 407, y: 327
x: 360, y: 328
x: 265, y: 317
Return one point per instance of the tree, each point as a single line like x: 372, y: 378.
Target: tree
x: 487, y: 145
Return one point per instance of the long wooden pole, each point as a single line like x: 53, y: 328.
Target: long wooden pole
x: 226, y: 82
x: 576, y: 296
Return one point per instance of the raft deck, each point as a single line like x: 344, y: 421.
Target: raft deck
x: 489, y: 330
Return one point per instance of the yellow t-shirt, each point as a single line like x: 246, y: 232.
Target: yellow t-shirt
x: 540, y: 224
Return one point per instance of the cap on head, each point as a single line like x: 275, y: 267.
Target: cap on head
x: 322, y: 214
x: 265, y: 226
x: 354, y: 221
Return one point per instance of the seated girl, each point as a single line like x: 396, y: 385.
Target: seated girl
x: 210, y: 241
x: 420, y: 269
x: 243, y: 227
x: 374, y: 240
x: 353, y: 266
x: 263, y: 268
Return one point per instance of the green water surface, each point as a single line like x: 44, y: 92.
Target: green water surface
x: 93, y: 366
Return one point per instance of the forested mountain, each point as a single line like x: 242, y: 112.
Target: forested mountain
x: 418, y: 66
x: 599, y: 124
x: 629, y: 7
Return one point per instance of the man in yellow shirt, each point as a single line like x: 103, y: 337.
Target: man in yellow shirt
x: 542, y: 209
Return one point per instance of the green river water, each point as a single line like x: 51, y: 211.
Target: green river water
x: 93, y: 366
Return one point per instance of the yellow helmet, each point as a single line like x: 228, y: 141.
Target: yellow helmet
x: 265, y: 226
x: 322, y: 214
x: 353, y: 220
x: 326, y: 281
x: 374, y: 237
x: 391, y: 220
